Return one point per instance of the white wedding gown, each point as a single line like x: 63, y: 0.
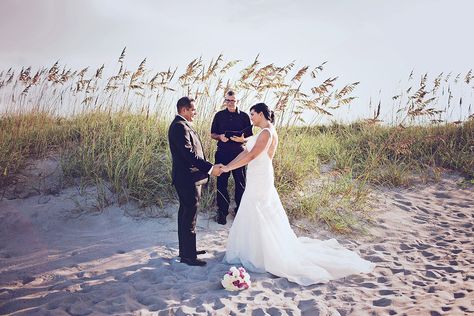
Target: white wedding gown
x: 262, y: 240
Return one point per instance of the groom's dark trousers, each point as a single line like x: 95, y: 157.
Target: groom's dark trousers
x: 189, y: 172
x: 189, y: 196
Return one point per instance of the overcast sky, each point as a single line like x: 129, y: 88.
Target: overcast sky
x: 376, y: 42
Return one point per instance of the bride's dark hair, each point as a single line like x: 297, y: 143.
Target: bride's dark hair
x: 263, y: 108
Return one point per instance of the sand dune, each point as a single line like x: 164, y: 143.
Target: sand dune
x: 59, y: 262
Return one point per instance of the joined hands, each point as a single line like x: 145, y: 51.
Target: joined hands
x: 225, y: 169
x: 218, y: 169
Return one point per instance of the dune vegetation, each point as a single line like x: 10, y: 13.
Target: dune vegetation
x: 111, y: 131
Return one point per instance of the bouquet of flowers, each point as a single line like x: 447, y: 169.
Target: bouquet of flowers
x: 236, y: 279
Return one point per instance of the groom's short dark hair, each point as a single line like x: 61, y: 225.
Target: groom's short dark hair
x: 184, y: 102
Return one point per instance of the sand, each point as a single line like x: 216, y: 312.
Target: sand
x: 60, y: 256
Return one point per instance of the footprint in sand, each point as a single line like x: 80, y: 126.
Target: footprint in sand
x: 404, y: 202
x: 375, y: 259
x: 274, y: 311
x: 424, y: 210
x: 27, y: 279
x: 442, y: 195
x: 426, y: 254
x: 152, y: 302
x: 403, y: 207
x: 289, y: 294
x: 283, y: 283
x: 379, y: 248
x: 405, y: 247
x: 218, y: 304
x: 368, y: 285
x: 431, y: 274
x: 308, y: 306
x: 241, y: 306
x: 258, y: 312
x: 383, y: 302
x: 420, y: 246
x: 78, y: 310
x: 386, y: 292
x: 382, y: 280
x: 255, y: 293
x: 396, y: 271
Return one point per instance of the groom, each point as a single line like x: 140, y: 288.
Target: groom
x: 189, y: 172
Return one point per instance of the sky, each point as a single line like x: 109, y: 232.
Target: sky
x: 376, y: 42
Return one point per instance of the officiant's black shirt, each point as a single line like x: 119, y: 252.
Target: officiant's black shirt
x: 231, y: 121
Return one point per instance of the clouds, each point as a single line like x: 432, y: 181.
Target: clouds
x: 308, y: 31
x: 376, y: 42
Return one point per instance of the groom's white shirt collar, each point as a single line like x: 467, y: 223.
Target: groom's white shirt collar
x: 183, y: 118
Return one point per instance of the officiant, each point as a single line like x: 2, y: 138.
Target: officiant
x: 230, y: 127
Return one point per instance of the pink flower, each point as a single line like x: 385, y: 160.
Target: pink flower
x: 240, y: 279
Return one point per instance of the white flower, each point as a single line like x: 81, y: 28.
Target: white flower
x: 236, y: 279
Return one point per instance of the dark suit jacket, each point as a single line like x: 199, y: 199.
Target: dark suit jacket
x: 189, y: 162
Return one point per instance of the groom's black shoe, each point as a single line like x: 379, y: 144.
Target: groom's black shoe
x: 193, y: 262
x: 199, y: 252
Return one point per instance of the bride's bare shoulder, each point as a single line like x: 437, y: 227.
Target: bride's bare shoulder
x: 265, y: 133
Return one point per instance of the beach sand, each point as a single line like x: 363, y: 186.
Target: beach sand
x: 60, y: 257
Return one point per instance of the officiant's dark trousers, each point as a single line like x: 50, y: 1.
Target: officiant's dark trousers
x: 239, y: 174
x: 189, y: 195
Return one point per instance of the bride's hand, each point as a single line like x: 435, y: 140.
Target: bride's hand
x: 238, y: 139
x: 225, y: 169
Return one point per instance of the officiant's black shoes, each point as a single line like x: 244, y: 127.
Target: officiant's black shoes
x: 193, y: 262
x: 221, y: 219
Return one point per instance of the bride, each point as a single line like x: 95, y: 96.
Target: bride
x: 261, y: 238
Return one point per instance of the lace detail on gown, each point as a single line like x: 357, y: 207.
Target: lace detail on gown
x: 262, y: 240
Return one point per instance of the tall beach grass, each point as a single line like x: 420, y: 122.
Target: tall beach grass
x: 112, y: 131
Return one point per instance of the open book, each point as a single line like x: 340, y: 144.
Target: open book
x: 229, y: 134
